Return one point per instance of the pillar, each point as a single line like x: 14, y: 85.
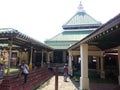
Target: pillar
x: 24, y: 56
x: 4, y: 61
x: 42, y: 58
x: 119, y: 65
x: 48, y: 59
x: 30, y: 65
x: 64, y: 56
x: 56, y: 77
x: 102, y: 72
x: 84, y: 80
x: 97, y: 65
x: 20, y: 56
x: 52, y: 55
x: 70, y: 68
x: 10, y: 54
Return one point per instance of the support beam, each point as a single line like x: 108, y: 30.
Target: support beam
x: 42, y: 58
x: 102, y: 72
x: 20, y: 56
x: 97, y: 65
x: 30, y: 65
x: 90, y: 53
x: 52, y: 55
x: 64, y: 56
x: 48, y: 59
x: 84, y: 80
x: 10, y: 54
x: 70, y: 68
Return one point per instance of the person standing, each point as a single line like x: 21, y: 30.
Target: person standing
x: 65, y: 71
x: 24, y: 71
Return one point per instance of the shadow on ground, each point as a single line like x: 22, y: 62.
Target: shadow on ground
x: 98, y: 85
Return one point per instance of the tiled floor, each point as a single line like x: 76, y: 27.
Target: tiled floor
x: 50, y: 85
x: 100, y: 86
x: 71, y: 85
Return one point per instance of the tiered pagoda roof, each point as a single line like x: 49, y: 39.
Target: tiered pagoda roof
x: 81, y: 20
x: 76, y: 28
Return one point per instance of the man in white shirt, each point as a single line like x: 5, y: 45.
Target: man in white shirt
x: 25, y: 71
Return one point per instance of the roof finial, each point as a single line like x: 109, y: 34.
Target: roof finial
x: 80, y: 7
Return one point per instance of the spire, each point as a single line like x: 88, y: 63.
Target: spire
x: 80, y: 7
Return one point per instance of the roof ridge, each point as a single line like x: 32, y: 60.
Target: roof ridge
x: 77, y: 20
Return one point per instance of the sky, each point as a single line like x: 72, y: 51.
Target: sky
x: 43, y: 19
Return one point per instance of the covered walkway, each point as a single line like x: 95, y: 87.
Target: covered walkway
x: 72, y: 85
x: 102, y: 40
x: 50, y: 85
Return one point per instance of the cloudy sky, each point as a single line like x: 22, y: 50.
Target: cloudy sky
x: 43, y: 19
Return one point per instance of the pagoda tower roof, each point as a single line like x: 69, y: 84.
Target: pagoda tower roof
x: 76, y: 28
x: 81, y: 20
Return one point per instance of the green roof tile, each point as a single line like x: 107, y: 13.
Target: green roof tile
x: 66, y: 38
x: 70, y: 36
x: 76, y: 28
x: 81, y: 19
x: 60, y: 44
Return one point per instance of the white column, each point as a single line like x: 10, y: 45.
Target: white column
x: 102, y: 72
x: 119, y: 64
x: 70, y: 69
x: 84, y: 80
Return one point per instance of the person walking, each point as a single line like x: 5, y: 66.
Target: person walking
x: 65, y: 72
x: 24, y: 71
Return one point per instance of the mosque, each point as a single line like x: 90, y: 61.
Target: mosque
x: 85, y: 44
x: 76, y: 28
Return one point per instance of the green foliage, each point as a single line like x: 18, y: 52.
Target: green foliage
x: 76, y: 78
x: 12, y: 70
